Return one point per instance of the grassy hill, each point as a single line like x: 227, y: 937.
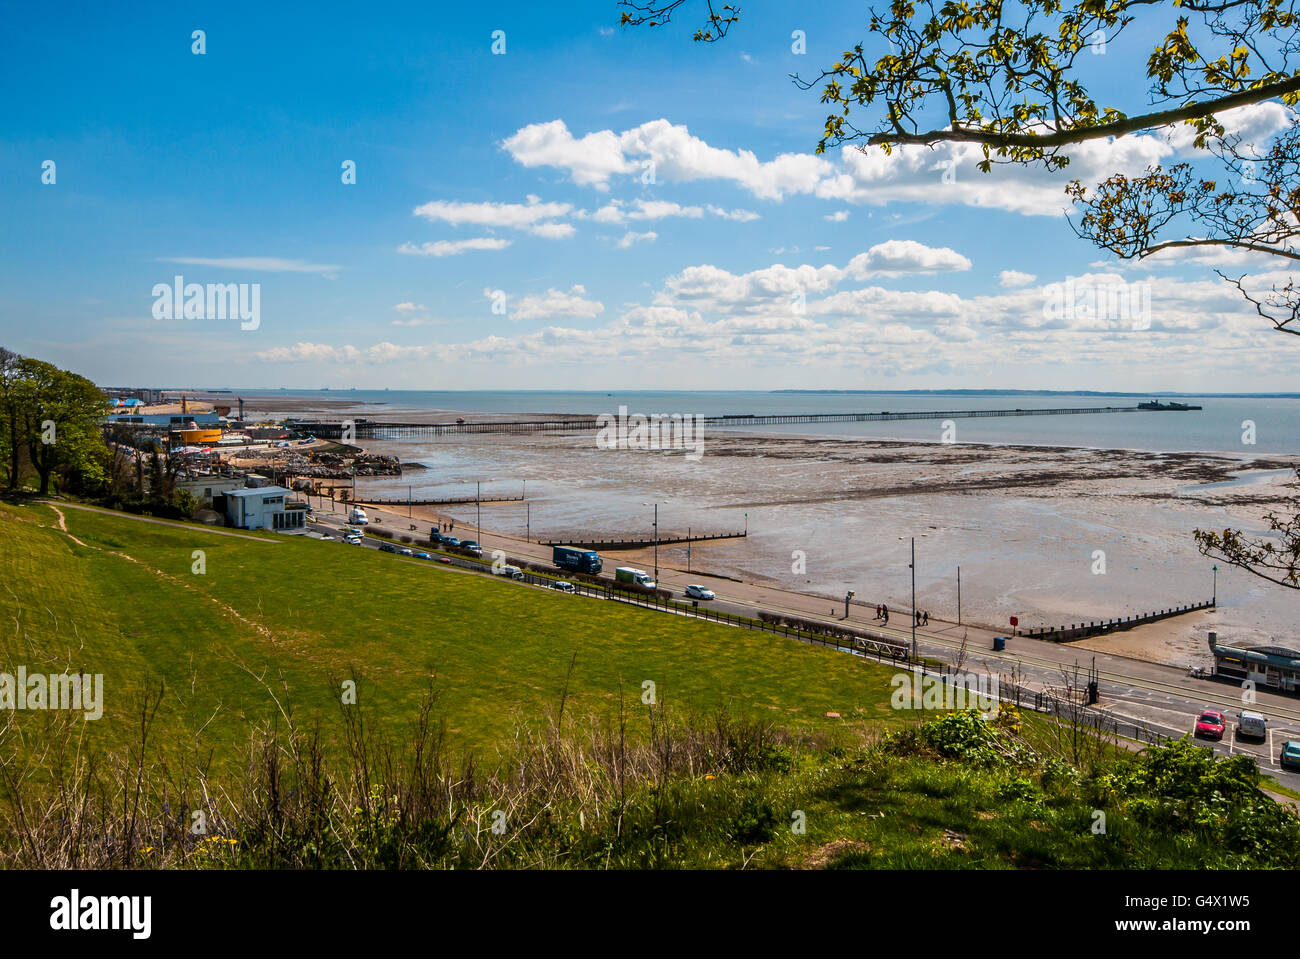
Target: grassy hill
x: 293, y: 618
x: 498, y: 725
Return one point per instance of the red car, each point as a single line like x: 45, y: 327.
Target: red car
x: 1211, y: 724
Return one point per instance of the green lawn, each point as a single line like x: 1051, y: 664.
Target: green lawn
x: 500, y: 651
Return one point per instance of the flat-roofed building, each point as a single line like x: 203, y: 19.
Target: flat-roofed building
x: 266, y: 507
x: 1273, y: 664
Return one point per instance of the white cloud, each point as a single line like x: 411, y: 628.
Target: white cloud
x: 553, y: 303
x: 630, y: 237
x: 532, y: 216
x: 454, y: 247
x: 901, y: 257
x: 1014, y: 278
x: 946, y: 174
x: 269, y: 264
x: 408, y: 307
x: 839, y: 216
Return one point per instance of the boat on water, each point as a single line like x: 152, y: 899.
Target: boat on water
x: 1157, y: 405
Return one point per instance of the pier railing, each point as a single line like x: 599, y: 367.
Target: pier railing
x: 1063, y: 634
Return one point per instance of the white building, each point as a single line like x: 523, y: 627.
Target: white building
x: 263, y: 508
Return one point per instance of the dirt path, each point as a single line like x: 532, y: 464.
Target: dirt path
x: 189, y: 527
x: 226, y: 608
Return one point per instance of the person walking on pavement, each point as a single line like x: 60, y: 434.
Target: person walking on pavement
x: 884, y: 613
x: 925, y: 618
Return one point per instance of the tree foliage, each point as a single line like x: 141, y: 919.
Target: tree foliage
x: 50, y: 424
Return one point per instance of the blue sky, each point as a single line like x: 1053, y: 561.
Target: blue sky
x: 746, y: 263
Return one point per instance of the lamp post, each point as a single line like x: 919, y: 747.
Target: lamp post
x: 478, y: 513
x: 688, y: 549
x: 912, y: 567
x: 847, y: 596
x: 1214, y: 589
x: 656, y: 543
x: 958, y: 595
x: 528, y: 522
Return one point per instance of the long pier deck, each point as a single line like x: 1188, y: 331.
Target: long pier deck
x: 374, y: 429
x: 616, y: 544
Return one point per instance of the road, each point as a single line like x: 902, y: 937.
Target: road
x: 1158, y: 697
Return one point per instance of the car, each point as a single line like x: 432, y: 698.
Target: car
x: 354, y: 530
x: 387, y: 548
x: 699, y: 592
x: 1290, y: 757
x: 422, y: 555
x: 514, y: 572
x: 352, y: 540
x: 450, y: 541
x: 445, y: 559
x: 563, y: 587
x: 405, y: 551
x: 1252, y: 726
x: 326, y: 536
x: 1211, y: 724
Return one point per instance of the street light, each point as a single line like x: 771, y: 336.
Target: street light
x: 1214, y: 590
x: 912, y: 567
x: 656, y: 544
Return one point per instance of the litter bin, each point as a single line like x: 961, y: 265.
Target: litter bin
x: 999, y: 643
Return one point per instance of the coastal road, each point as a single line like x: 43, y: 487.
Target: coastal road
x: 1160, y: 697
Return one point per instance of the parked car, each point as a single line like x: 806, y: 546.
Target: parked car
x: 1211, y: 724
x: 445, y: 559
x: 422, y: 555
x: 405, y: 551
x: 387, y: 548
x: 352, y: 540
x: 326, y: 536
x: 354, y: 530
x: 563, y: 587
x: 699, y: 592
x: 450, y: 541
x: 472, y: 546
x: 1252, y: 726
x: 1290, y: 758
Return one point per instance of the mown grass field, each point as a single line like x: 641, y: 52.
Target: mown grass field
x: 294, y: 618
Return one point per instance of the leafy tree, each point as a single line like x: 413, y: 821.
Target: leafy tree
x: 53, y: 417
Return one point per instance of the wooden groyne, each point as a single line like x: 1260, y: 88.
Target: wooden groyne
x: 1064, y: 634
x: 447, y: 501
x: 370, y: 429
x: 619, y: 544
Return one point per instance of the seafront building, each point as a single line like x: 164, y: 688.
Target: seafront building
x: 1274, y: 666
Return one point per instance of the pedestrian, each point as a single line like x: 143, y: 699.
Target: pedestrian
x: 884, y: 613
x: 925, y: 618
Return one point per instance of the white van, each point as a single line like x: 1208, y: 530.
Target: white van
x: 1252, y: 726
x: 358, y: 516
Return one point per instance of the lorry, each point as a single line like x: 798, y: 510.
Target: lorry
x: 358, y: 516
x: 576, y: 560
x: 634, y: 577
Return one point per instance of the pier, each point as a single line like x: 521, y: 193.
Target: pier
x: 375, y: 430
x: 446, y: 501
